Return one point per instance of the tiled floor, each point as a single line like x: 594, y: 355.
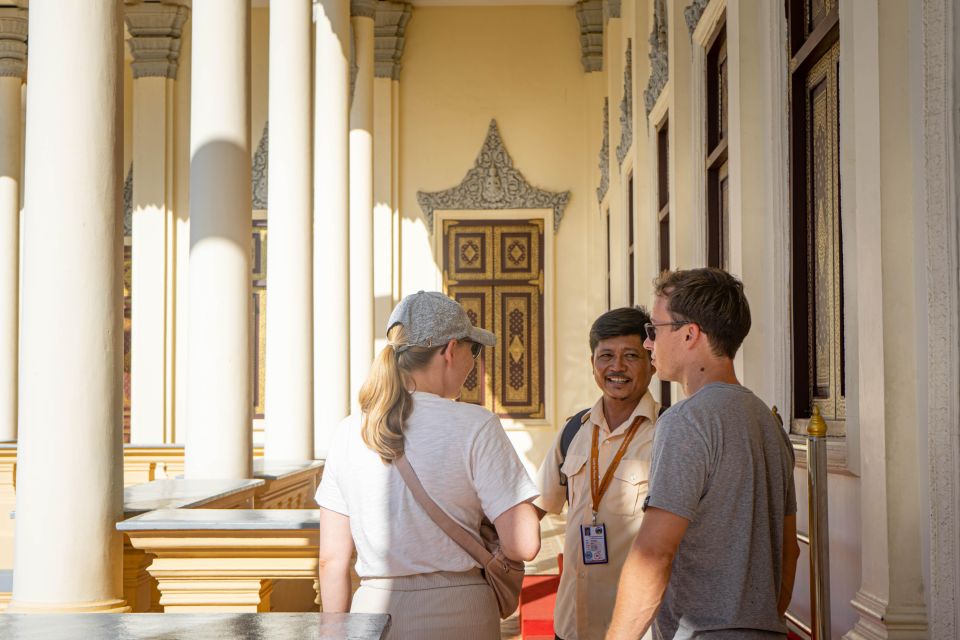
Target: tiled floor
x: 551, y: 531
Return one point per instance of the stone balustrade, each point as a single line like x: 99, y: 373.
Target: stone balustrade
x: 139, y: 588
x: 225, y: 560
x: 287, y: 485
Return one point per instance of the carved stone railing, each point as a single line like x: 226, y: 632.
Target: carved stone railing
x: 287, y: 485
x: 139, y: 588
x: 212, y: 560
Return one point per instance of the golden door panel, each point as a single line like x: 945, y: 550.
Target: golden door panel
x: 467, y: 252
x: 258, y: 268
x: 519, y: 358
x: 517, y: 251
x: 494, y: 268
x: 478, y: 303
x: 823, y: 216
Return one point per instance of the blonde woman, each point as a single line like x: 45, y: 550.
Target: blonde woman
x: 408, y: 566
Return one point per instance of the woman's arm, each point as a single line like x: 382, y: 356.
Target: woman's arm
x: 336, y: 550
x: 519, y: 530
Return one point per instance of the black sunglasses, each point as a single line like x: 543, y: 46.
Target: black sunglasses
x: 651, y: 327
x: 475, y: 347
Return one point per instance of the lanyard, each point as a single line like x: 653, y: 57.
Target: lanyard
x: 597, y: 487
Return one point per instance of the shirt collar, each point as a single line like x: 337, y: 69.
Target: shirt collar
x: 647, y: 407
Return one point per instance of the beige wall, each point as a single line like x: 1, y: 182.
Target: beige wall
x: 463, y: 67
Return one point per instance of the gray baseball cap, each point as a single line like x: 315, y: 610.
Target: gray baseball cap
x: 432, y: 320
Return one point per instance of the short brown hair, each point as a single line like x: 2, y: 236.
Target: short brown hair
x: 711, y: 298
x: 625, y: 321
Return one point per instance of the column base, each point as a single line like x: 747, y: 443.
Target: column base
x: 879, y: 621
x: 118, y: 605
x: 220, y: 595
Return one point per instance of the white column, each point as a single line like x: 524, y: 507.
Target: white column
x: 391, y: 22
x: 219, y: 435
x: 331, y: 312
x: 289, y: 360
x: 155, y: 45
x: 362, y: 13
x: 13, y: 68
x: 68, y: 554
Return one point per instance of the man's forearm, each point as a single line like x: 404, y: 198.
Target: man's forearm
x: 643, y: 582
x: 786, y: 583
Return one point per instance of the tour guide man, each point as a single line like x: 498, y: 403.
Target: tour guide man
x: 717, y: 551
x: 600, y: 463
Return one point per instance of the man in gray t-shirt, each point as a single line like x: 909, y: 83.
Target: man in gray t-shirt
x: 716, y: 553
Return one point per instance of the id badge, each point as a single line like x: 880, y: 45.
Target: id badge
x: 593, y: 537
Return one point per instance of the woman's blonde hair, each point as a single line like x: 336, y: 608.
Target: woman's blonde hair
x: 384, y: 400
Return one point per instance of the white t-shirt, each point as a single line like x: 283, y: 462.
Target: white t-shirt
x: 464, y: 461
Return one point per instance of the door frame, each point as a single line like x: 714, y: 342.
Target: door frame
x: 549, y: 347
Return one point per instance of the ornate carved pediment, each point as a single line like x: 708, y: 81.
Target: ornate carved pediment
x: 128, y: 203
x: 493, y: 183
x: 659, y: 73
x: 605, y: 153
x: 626, y: 107
x: 693, y: 13
x: 259, y: 169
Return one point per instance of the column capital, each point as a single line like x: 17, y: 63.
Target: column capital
x: 13, y: 42
x: 363, y: 8
x: 590, y: 16
x: 155, y: 29
x: 390, y: 27
x: 611, y: 9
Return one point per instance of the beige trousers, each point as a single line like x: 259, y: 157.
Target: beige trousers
x: 432, y: 606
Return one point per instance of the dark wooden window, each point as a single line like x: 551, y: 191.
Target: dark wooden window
x: 606, y: 217
x: 818, y: 340
x: 631, y: 245
x: 718, y: 201
x: 663, y: 215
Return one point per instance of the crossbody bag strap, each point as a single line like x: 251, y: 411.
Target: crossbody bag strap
x: 449, y: 526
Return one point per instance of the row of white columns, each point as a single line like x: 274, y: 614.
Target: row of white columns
x: 70, y: 473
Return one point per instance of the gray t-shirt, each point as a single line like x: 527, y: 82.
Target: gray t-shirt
x: 721, y: 460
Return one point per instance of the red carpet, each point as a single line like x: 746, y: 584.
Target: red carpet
x: 537, y: 600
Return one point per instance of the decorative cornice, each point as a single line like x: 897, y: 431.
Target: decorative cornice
x: 259, y: 171
x: 693, y: 13
x: 611, y: 9
x: 626, y: 107
x: 659, y: 71
x: 605, y: 153
x: 493, y: 183
x: 363, y: 8
x: 590, y: 17
x: 13, y: 42
x: 390, y: 28
x: 155, y: 30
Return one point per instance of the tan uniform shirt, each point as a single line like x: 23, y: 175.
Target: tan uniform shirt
x: 588, y: 592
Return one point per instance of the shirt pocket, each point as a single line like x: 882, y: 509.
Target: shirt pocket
x: 628, y: 485
x: 574, y: 467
